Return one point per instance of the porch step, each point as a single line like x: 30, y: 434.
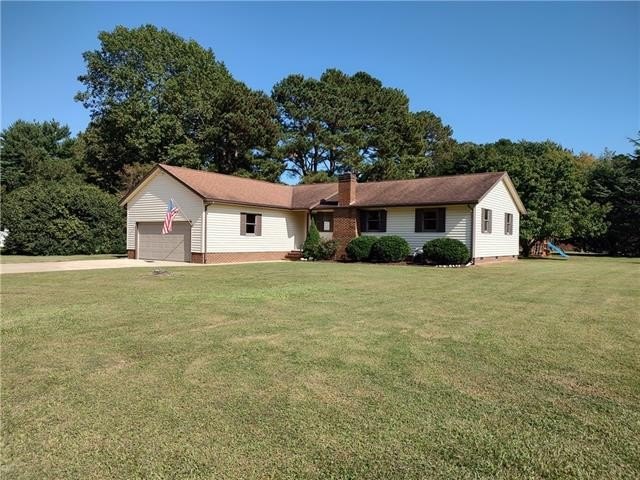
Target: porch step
x: 293, y: 255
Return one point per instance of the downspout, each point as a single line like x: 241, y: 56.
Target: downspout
x: 473, y: 233
x: 307, y: 224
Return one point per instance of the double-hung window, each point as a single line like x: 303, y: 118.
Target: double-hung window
x: 508, y: 223
x: 373, y: 220
x: 486, y: 220
x: 251, y: 224
x: 430, y: 219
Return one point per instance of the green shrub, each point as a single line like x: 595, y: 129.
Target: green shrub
x: 326, y: 250
x: 49, y: 218
x: 390, y: 249
x: 315, y: 248
x: 359, y: 249
x: 446, y: 251
x: 312, y: 242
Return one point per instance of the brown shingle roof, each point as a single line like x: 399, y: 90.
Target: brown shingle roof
x: 308, y: 196
x: 216, y: 186
x: 468, y: 188
x: 456, y: 189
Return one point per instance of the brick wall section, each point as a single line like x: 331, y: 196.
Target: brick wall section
x: 346, y: 189
x: 232, y: 257
x: 131, y: 254
x: 500, y: 259
x: 345, y: 228
x: 197, y: 257
x: 345, y: 220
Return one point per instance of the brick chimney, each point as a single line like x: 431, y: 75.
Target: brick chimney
x: 346, y: 189
x: 345, y: 220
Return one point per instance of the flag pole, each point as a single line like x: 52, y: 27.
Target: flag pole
x: 182, y: 211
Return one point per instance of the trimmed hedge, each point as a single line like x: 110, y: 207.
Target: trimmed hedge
x: 390, y: 249
x: 49, y: 218
x: 359, y: 249
x: 446, y: 251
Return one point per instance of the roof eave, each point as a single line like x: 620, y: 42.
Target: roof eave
x: 211, y: 200
x: 395, y: 205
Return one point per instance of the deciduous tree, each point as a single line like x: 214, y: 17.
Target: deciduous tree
x: 615, y: 182
x: 155, y: 97
x: 549, y: 181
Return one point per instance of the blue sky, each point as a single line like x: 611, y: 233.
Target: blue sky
x: 564, y: 71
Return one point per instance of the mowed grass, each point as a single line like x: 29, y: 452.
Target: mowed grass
x: 303, y: 370
x: 54, y: 258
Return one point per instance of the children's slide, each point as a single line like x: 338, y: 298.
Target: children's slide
x: 557, y: 250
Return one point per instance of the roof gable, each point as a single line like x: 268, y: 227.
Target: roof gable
x: 512, y: 192
x: 150, y: 178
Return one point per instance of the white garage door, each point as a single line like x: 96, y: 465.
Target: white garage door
x: 175, y: 246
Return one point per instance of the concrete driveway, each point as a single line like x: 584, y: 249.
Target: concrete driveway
x: 85, y: 265
x: 102, y: 264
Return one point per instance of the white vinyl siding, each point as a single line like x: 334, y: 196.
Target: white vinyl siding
x: 401, y: 221
x: 150, y: 205
x: 496, y: 243
x: 282, y: 230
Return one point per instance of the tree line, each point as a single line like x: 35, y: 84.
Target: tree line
x: 156, y: 97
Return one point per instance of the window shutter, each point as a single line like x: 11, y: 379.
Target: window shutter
x: 383, y: 220
x: 258, y: 225
x: 363, y: 220
x: 490, y: 221
x: 419, y: 219
x: 243, y: 224
x: 442, y: 212
x: 506, y: 224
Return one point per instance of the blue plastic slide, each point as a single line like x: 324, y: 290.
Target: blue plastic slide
x: 558, y: 250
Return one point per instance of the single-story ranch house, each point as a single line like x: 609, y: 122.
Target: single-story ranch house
x: 224, y: 218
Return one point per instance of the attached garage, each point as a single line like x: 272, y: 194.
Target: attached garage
x: 174, y: 246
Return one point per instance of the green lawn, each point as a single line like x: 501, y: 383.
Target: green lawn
x: 303, y: 370
x: 55, y: 258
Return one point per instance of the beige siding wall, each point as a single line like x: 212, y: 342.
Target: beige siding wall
x: 150, y: 205
x: 281, y: 230
x: 402, y: 221
x: 496, y: 243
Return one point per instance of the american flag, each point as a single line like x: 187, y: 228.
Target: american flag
x: 172, y: 211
